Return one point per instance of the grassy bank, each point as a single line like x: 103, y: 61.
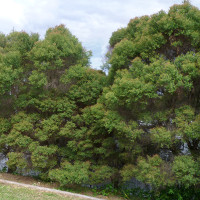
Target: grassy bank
x: 10, y: 192
x: 104, y: 194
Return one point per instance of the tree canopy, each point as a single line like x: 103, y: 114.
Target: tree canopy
x: 75, y: 125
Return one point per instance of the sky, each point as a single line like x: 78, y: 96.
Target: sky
x: 91, y: 21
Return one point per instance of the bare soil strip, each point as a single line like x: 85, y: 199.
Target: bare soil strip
x: 48, y: 189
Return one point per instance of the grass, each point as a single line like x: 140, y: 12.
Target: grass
x: 10, y: 192
x: 104, y: 194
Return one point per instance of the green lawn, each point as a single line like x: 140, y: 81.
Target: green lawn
x: 10, y: 192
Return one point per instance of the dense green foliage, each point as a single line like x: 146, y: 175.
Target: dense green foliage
x: 154, y: 92
x: 75, y: 125
x: 46, y: 85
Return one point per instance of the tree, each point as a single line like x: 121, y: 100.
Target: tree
x: 75, y: 125
x: 153, y: 97
x: 53, y: 82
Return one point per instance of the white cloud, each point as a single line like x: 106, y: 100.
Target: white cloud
x: 11, y: 15
x: 92, y: 21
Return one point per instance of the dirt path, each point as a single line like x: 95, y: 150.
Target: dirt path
x: 47, y: 189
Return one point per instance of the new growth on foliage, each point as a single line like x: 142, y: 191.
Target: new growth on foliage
x: 75, y: 125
